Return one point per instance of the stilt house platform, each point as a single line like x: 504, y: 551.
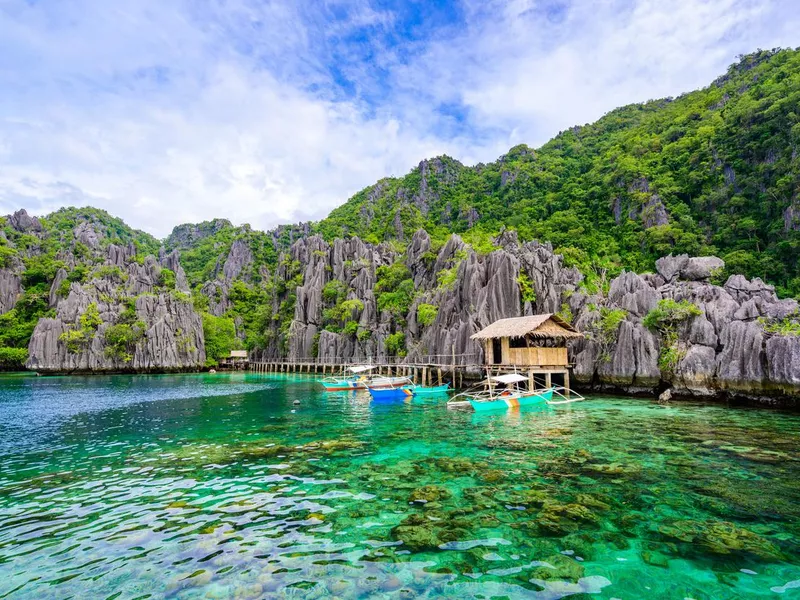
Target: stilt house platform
x: 535, y: 345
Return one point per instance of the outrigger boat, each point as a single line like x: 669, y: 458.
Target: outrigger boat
x: 406, y: 390
x: 434, y: 390
x: 354, y: 378
x: 512, y: 394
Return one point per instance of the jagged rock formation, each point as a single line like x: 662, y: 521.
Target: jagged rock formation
x: 10, y: 289
x: 171, y: 331
x: 723, y: 351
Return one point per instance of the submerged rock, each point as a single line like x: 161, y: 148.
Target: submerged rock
x: 720, y: 537
x: 429, y: 493
x: 428, y: 532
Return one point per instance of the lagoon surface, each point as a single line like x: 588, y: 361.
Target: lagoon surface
x: 219, y: 486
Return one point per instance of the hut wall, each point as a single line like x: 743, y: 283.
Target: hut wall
x: 534, y: 357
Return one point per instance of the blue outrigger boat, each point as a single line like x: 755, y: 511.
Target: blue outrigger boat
x: 406, y: 391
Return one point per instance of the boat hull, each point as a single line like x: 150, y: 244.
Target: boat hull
x: 390, y: 393
x: 431, y: 391
x: 388, y: 382
x: 343, y: 386
x: 513, y: 401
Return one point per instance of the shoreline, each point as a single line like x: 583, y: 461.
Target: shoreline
x: 730, y: 397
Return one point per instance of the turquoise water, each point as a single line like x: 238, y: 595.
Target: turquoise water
x: 219, y: 486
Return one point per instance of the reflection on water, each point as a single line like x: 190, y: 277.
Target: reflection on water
x: 220, y: 486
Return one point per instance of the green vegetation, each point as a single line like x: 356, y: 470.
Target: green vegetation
x: 788, y: 326
x: 396, y: 344
x: 712, y: 172
x: 394, y: 289
x: 167, y: 279
x: 526, y: 290
x: 220, y: 338
x: 426, y: 314
x: 664, y: 319
x: 122, y: 337
x: 76, y: 339
x: 12, y: 358
x: 604, y: 329
x: 668, y: 313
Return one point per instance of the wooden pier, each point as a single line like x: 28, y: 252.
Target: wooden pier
x: 421, y: 373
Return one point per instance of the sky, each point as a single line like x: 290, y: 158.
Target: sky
x: 267, y: 112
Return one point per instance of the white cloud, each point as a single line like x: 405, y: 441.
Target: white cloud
x: 165, y: 113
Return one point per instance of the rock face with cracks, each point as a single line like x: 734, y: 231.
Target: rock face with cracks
x: 725, y: 351
x: 171, y: 332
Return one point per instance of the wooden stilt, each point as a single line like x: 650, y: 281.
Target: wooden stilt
x: 566, y: 383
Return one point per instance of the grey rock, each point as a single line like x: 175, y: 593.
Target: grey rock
x: 696, y: 371
x: 10, y: 290
x: 633, y: 293
x: 701, y: 268
x: 23, y: 222
x: 173, y: 337
x: 85, y: 234
x: 669, y: 267
x: 739, y: 364
x: 783, y: 363
x: 60, y: 277
x: 239, y: 258
x: 742, y: 290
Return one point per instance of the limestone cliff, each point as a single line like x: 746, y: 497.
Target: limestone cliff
x: 724, y: 351
x: 162, y: 330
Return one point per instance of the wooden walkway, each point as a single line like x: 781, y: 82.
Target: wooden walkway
x: 428, y: 373
x: 420, y: 373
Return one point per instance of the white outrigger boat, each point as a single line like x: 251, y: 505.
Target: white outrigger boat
x: 353, y: 378
x: 356, y: 378
x: 502, y: 392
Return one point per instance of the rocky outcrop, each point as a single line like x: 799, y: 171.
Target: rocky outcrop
x: 724, y: 351
x: 24, y: 223
x: 167, y: 332
x: 10, y: 289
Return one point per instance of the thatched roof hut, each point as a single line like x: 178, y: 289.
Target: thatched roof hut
x: 533, y: 341
x: 547, y: 326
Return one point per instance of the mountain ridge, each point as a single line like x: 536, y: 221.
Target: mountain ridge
x: 413, y: 265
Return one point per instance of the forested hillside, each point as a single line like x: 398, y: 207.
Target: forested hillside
x: 714, y: 171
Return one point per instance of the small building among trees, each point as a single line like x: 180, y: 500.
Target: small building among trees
x: 236, y: 360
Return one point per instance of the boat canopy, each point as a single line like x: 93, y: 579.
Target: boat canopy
x: 510, y: 378
x: 360, y: 368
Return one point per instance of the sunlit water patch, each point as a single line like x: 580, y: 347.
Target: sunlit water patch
x: 223, y: 487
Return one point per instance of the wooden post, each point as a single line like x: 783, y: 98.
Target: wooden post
x: 439, y: 373
x: 531, y: 381
x: 548, y: 380
x: 453, y: 351
x: 566, y: 383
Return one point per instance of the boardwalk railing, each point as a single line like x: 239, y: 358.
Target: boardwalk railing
x: 425, y: 370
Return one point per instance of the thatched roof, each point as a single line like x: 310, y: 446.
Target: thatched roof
x: 537, y: 326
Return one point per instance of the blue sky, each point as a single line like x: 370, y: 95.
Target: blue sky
x: 171, y: 111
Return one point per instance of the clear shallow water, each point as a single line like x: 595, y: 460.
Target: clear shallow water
x: 211, y: 487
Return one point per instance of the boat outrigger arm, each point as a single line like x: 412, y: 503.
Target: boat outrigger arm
x: 512, y: 394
